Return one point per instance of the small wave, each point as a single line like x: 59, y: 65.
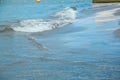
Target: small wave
x: 5, y: 28
x: 61, y: 18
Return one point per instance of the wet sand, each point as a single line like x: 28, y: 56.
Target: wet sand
x: 110, y: 12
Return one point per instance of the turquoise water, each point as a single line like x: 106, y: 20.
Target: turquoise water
x: 81, y: 49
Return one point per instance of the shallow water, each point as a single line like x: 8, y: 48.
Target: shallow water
x: 82, y: 50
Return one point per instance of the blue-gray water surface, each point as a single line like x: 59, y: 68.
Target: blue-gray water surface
x: 86, y: 49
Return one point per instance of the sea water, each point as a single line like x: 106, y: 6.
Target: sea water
x: 66, y: 41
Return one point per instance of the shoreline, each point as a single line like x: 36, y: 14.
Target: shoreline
x: 105, y: 4
x: 106, y: 1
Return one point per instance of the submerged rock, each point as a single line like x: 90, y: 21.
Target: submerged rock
x: 117, y: 13
x: 117, y: 33
x: 73, y: 7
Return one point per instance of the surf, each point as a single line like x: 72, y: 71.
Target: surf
x: 61, y: 18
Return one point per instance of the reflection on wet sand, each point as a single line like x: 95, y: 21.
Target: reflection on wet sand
x: 108, y: 15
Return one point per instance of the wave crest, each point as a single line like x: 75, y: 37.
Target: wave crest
x: 61, y: 18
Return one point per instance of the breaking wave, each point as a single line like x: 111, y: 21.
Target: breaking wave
x: 60, y: 19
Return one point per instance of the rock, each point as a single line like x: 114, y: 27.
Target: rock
x: 117, y: 13
x: 117, y: 33
x: 74, y: 8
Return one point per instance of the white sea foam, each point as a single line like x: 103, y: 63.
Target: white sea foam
x: 67, y: 13
x: 62, y: 18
